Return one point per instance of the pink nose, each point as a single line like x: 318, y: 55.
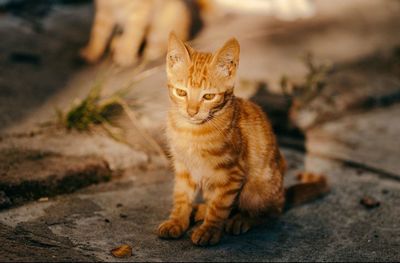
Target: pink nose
x: 192, y: 111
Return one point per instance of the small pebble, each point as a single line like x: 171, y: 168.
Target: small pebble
x: 123, y: 215
x: 369, y: 202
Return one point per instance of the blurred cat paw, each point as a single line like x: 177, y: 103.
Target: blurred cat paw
x: 151, y: 54
x: 89, y: 55
x: 123, y: 60
x: 122, y: 53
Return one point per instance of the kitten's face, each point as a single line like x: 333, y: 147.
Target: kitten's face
x: 200, y: 84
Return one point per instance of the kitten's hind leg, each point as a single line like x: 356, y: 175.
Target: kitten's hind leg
x: 241, y: 223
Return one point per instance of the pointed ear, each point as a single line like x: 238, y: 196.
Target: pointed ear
x: 178, y: 56
x: 226, y: 60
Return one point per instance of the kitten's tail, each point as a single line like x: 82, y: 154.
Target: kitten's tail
x: 311, y: 187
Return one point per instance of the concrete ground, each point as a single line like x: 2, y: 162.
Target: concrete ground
x: 86, y: 225
x: 350, y: 135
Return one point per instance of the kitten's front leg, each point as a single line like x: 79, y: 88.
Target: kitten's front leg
x: 219, y: 207
x: 184, y: 194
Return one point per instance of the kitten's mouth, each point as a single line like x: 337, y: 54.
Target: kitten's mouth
x: 196, y: 121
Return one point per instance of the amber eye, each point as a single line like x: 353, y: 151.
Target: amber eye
x: 180, y: 92
x: 208, y: 96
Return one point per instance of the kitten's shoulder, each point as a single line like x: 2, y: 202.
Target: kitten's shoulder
x: 251, y: 113
x: 249, y: 107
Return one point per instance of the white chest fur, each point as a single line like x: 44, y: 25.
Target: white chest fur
x: 191, y: 155
x: 190, y: 152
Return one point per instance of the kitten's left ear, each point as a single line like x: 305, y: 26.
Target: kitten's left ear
x: 178, y: 57
x: 226, y: 60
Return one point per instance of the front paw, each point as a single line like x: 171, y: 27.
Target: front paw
x: 206, y: 235
x: 170, y: 229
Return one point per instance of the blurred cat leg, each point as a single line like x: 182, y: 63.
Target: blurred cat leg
x: 172, y: 15
x: 125, y: 46
x: 102, y: 28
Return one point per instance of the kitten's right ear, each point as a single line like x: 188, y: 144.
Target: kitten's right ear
x: 178, y: 56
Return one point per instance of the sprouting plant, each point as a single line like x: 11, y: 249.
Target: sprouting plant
x: 92, y: 110
x: 314, y: 82
x: 101, y: 111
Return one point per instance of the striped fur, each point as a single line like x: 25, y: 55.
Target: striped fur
x: 224, y: 147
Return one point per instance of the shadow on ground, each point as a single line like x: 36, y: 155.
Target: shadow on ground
x: 38, y: 57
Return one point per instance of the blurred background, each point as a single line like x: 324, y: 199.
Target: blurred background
x: 83, y: 102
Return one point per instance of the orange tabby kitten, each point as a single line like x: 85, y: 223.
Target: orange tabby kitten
x: 220, y: 144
